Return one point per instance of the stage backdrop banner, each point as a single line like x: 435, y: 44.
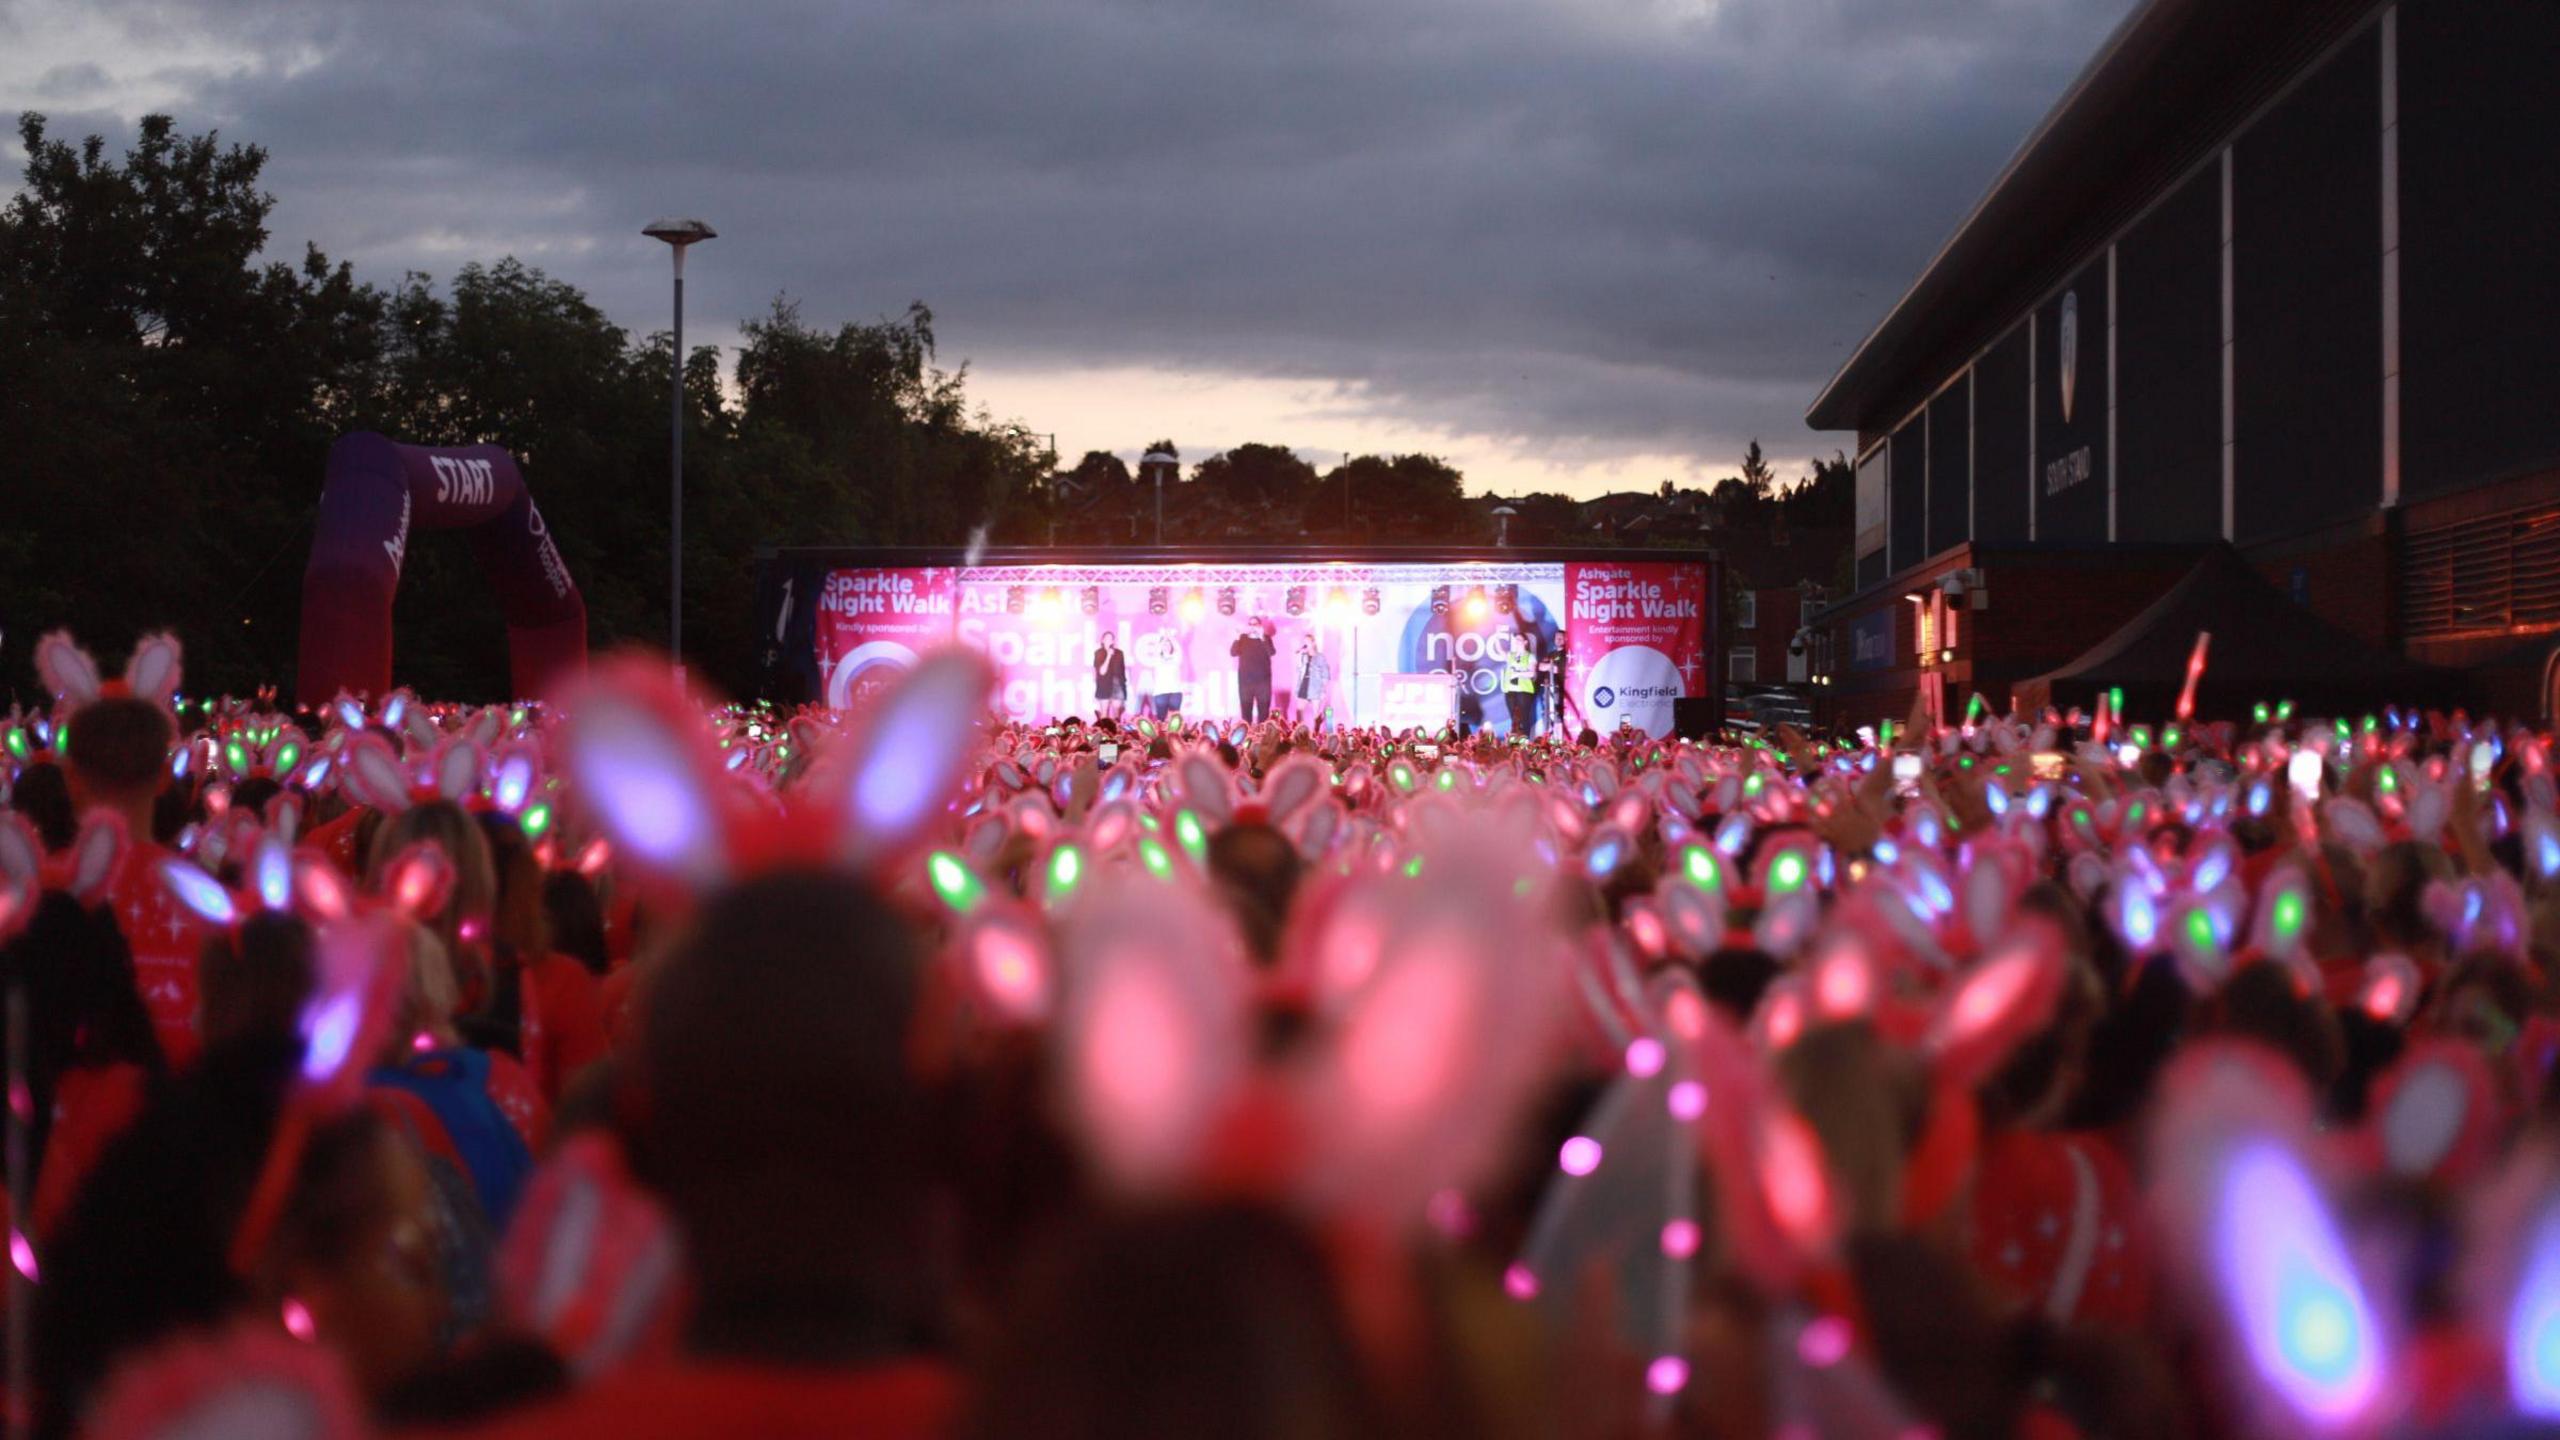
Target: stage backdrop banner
x: 1636, y: 632
x: 1637, y: 639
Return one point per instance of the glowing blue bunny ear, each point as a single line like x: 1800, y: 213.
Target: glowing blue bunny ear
x: 511, y: 785
x: 636, y: 752
x: 2532, y: 1328
x: 2286, y: 1284
x: 203, y: 895
x: 905, y: 753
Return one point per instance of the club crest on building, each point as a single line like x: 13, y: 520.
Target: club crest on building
x: 2069, y: 346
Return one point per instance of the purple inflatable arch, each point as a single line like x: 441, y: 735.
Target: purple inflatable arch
x: 377, y: 494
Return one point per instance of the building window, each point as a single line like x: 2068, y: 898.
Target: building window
x: 1746, y: 611
x: 1742, y: 667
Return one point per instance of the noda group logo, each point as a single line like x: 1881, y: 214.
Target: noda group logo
x: 1635, y: 683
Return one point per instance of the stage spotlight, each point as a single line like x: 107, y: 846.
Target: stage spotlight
x: 1013, y: 599
x: 1092, y: 600
x: 1475, y: 603
x: 1439, y: 599
x: 1156, y: 600
x: 1193, y: 607
x: 1226, y: 599
x: 1338, y: 604
x: 1297, y: 599
x: 1506, y: 600
x: 1369, y: 601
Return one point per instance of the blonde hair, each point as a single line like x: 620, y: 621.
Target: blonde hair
x: 449, y: 828
x: 429, y: 995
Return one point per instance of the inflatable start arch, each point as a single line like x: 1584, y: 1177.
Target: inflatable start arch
x: 376, y: 495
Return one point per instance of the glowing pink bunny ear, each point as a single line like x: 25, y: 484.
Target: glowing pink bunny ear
x: 98, y: 855
x: 248, y: 1381
x: 419, y: 880
x: 906, y: 752
x: 370, y: 772
x: 634, y: 748
x: 1843, y: 977
x: 1292, y: 785
x: 1006, y: 952
x: 1152, y: 1033
x: 68, y: 671
x: 155, y: 669
x: 1998, y: 1003
x: 1419, y: 1082
x: 417, y: 727
x: 319, y: 890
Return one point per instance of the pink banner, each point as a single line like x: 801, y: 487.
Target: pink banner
x: 1637, y: 637
x: 874, y: 623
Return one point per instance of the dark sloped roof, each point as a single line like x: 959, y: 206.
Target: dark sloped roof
x: 2265, y: 647
x: 2162, y: 93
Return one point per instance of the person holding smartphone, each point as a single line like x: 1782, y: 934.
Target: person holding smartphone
x: 1315, y: 680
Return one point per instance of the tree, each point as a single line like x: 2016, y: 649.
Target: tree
x: 1404, y: 497
x: 165, y: 398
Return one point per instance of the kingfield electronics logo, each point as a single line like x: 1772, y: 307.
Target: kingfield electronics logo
x: 1604, y: 697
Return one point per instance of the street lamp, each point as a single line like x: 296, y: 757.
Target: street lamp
x: 678, y: 234
x: 1161, y: 463
x: 1502, y: 515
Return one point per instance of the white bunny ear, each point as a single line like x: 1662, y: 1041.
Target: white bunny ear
x: 371, y: 775
x: 906, y: 752
x: 21, y: 849
x: 485, y: 726
x: 1206, y: 786
x: 98, y: 855
x: 155, y: 669
x: 636, y: 751
x: 67, y: 669
x: 1151, y: 1041
x: 457, y: 768
x: 1292, y: 785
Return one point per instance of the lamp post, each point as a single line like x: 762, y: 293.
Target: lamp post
x: 1159, y: 463
x: 678, y: 234
x: 1502, y: 516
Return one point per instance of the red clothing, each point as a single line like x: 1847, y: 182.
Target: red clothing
x: 165, y: 938
x: 911, y: 1400
x: 614, y: 995
x: 92, y: 1105
x: 572, y: 1013
x: 2057, y: 1225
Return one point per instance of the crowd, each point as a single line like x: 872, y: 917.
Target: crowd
x: 626, y: 1064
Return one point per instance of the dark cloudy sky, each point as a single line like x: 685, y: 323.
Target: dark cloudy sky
x: 1571, y: 244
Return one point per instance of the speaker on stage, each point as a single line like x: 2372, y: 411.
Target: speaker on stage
x: 1693, y: 716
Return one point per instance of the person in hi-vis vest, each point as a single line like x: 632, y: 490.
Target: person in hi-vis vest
x: 1520, y: 684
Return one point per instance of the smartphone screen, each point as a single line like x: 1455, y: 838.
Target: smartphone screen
x: 1108, y: 754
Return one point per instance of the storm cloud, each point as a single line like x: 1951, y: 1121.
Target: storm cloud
x: 1576, y: 230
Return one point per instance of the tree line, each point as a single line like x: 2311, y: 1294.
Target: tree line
x: 169, y: 390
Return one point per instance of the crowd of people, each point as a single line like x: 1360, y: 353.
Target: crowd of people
x: 629, y: 1064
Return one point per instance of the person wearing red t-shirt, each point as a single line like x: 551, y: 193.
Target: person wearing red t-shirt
x: 783, y: 1127
x: 119, y: 760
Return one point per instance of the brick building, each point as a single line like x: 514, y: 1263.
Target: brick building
x: 2272, y: 274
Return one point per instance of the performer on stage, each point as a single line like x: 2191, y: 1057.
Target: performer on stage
x: 1110, y: 678
x: 1253, y: 651
x: 1520, y: 684
x: 1315, y: 681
